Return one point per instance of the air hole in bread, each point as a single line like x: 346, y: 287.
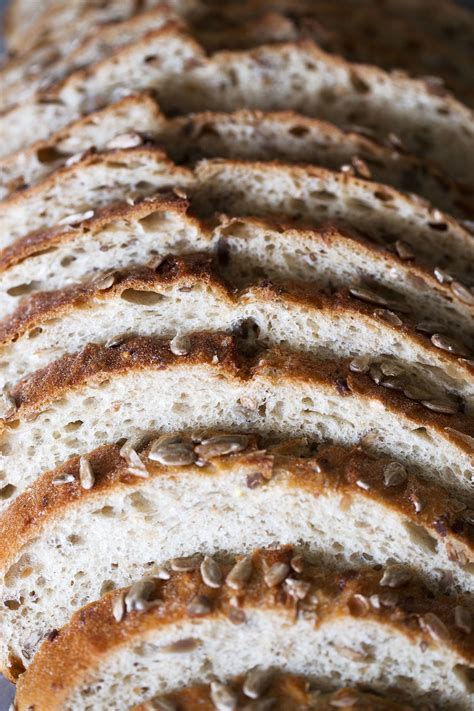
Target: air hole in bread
x: 35, y: 332
x: 67, y: 260
x: 466, y: 675
x: 49, y: 154
x: 140, y: 502
x: 324, y: 195
x: 6, y: 492
x: 23, y: 289
x: 298, y: 131
x: 420, y: 537
x: 105, y: 512
x: 143, y: 298
x: 106, y: 587
x: 73, y: 426
x: 75, y: 540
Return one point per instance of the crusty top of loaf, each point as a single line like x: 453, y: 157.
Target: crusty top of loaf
x: 199, y: 269
x: 220, y: 353
x: 93, y: 633
x: 287, y: 692
x: 328, y: 469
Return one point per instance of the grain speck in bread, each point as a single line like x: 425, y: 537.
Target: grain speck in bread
x: 82, y: 401
x: 185, y: 294
x: 69, y: 544
x: 336, y: 623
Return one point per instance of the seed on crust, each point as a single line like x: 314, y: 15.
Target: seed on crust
x: 359, y: 364
x: 222, y: 696
x: 367, y: 295
x: 256, y: 682
x: 297, y: 589
x: 211, y: 572
x: 463, y: 619
x: 442, y: 276
x: 118, y: 607
x: 240, y: 574
x: 404, y: 250
x: 76, y: 218
x: 445, y: 407
x: 173, y: 454
x: 186, y: 563
x: 199, y: 605
x: 297, y: 563
x: 462, y: 293
x: 180, y: 345
x: 276, y: 574
x: 86, y: 474
x: 388, y: 316
x: 132, y: 139
x: 220, y: 445
x: 344, y: 699
x: 131, y: 456
x: 394, y: 474
x: 395, y: 576
x: 105, y: 281
x: 467, y: 439
x: 137, y: 598
x: 160, y: 703
x: 361, y: 167
x: 445, y: 343
x: 434, y: 626
x: 63, y: 479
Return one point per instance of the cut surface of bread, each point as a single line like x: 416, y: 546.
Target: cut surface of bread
x: 82, y: 401
x: 281, y: 692
x: 188, y: 627
x: 185, y: 294
x: 69, y: 544
x: 247, y: 249
x: 250, y: 135
x: 72, y: 193
x: 284, y: 76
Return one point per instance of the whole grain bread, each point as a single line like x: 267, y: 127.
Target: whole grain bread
x: 144, y: 233
x: 207, y: 492
x: 140, y: 631
x: 250, y: 135
x: 82, y: 401
x: 185, y: 294
x: 283, y: 76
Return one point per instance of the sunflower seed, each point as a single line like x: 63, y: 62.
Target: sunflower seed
x: 394, y: 474
x: 360, y: 364
x: 463, y: 619
x: 118, y: 607
x: 413, y: 392
x: 463, y: 293
x: 395, y: 576
x: 297, y: 563
x: 180, y: 345
x: 469, y: 516
x: 361, y: 167
x: 135, y: 464
x: 404, y: 250
x: 375, y: 373
x: 391, y: 369
x: 7, y: 405
x: 211, y: 572
x: 363, y: 484
x: 417, y: 501
x: 388, y: 316
x: 159, y: 703
x: 256, y: 682
x: 434, y: 626
x: 448, y: 344
x: 86, y: 474
x: 222, y: 696
x: 182, y: 646
x: 125, y: 140
x: 344, y: 699
x: 176, y: 454
x: 368, y: 295
x: 445, y: 407
x: 221, y: 445
x: 442, y: 276
x: 429, y: 327
x: 240, y: 574
x: 199, y: 605
x: 137, y: 598
x: 76, y: 218
x: 359, y: 604
x: 297, y: 589
x: 276, y: 574
x: 186, y: 563
x: 388, y: 598
x: 105, y: 281
x: 467, y: 439
x: 63, y: 479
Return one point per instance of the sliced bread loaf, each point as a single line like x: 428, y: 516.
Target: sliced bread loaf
x: 101, y: 521
x: 82, y: 401
x: 185, y: 294
x: 160, y: 635
x: 146, y: 232
x: 280, y: 692
x: 284, y: 76
x: 250, y: 135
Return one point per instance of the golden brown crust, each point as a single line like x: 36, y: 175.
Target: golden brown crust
x: 63, y: 663
x: 288, y: 692
x: 331, y: 468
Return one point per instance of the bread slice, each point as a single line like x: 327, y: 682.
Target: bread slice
x: 73, y: 193
x: 189, y: 626
x: 185, y: 294
x: 99, y: 44
x: 250, y: 135
x: 82, y: 401
x: 301, y: 76
x: 144, y: 233
x: 70, y: 544
x: 281, y: 692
